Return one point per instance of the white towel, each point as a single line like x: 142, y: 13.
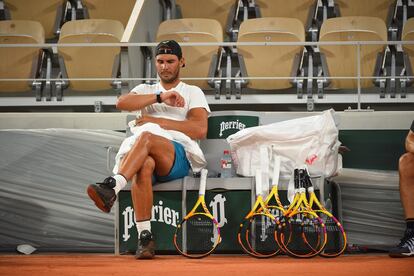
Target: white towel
x: 193, y: 152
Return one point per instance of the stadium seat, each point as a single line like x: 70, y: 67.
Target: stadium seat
x: 270, y: 61
x: 222, y: 124
x: 109, y: 9
x: 198, y: 59
x: 219, y: 10
x: 341, y: 60
x: 48, y: 12
x: 22, y: 62
x: 408, y: 35
x: 375, y: 8
x: 89, y: 62
x: 299, y: 9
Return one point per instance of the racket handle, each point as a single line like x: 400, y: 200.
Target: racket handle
x: 203, y: 181
x: 276, y: 170
x: 258, y: 182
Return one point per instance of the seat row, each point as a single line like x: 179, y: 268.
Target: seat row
x: 74, y: 62
x: 230, y: 13
x: 221, y: 10
x: 288, y: 65
x: 51, y: 14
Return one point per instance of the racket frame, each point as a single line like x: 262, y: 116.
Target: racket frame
x: 259, y: 209
x: 313, y: 200
x: 300, y: 206
x: 204, y: 211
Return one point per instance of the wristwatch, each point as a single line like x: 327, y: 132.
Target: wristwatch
x: 159, y: 100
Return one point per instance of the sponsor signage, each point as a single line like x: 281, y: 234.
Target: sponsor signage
x: 220, y: 127
x: 228, y: 207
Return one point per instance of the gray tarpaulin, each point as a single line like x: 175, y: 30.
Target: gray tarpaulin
x: 43, y: 179
x: 371, y: 207
x: 43, y: 203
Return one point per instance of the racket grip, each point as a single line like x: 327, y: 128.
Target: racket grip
x: 276, y: 170
x: 203, y: 181
x: 258, y: 182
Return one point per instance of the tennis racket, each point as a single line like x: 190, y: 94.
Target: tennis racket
x: 337, y: 240
x: 306, y: 231
x: 256, y: 234
x: 198, y: 234
x: 273, y: 202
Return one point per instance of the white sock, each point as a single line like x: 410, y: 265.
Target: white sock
x: 143, y: 225
x: 120, y: 183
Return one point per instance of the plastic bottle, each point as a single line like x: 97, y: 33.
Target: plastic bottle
x: 226, y: 165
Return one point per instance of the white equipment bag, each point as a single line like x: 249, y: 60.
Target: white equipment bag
x: 311, y: 141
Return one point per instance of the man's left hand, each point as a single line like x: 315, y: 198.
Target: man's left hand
x: 147, y: 119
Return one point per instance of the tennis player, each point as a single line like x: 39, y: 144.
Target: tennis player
x: 406, y: 169
x: 174, y: 106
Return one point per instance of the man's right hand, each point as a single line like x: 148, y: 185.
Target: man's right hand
x: 172, y: 98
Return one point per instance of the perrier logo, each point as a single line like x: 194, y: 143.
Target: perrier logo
x: 220, y: 127
x: 234, y: 125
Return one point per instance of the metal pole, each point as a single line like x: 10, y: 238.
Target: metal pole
x: 359, y: 74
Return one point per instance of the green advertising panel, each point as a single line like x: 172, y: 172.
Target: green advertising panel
x: 228, y: 206
x: 229, y: 209
x: 220, y: 127
x: 166, y: 214
x: 373, y: 149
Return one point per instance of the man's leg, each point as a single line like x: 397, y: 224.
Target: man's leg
x: 148, y: 144
x: 159, y: 148
x: 406, y: 171
x: 142, y: 198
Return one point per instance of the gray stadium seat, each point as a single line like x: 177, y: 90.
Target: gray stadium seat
x: 198, y: 58
x: 219, y: 10
x: 375, y: 8
x: 408, y: 35
x: 89, y: 62
x: 299, y: 9
x: 108, y: 9
x: 48, y: 12
x: 270, y: 61
x: 342, y: 59
x: 22, y: 62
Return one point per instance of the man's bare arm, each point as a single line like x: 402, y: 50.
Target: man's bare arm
x: 133, y: 102
x: 195, y: 126
x: 409, y: 142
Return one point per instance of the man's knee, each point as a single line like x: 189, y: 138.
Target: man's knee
x: 145, y: 138
x: 144, y: 173
x: 148, y: 167
x: 406, y: 164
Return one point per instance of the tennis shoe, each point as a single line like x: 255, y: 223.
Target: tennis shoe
x: 406, y: 247
x: 103, y: 194
x: 146, y: 246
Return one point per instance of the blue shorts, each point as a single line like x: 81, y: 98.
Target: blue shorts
x: 180, y: 167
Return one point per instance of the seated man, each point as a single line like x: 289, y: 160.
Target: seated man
x: 175, y: 107
x: 406, y: 170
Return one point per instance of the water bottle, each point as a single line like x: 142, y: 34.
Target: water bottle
x: 226, y: 165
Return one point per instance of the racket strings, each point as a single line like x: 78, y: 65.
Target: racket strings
x: 336, y: 236
x: 302, y: 229
x: 197, y: 236
x: 308, y: 235
x: 257, y: 235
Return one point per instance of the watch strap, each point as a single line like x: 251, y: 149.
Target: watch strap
x: 159, y: 100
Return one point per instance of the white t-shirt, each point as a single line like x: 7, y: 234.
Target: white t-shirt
x: 193, y: 97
